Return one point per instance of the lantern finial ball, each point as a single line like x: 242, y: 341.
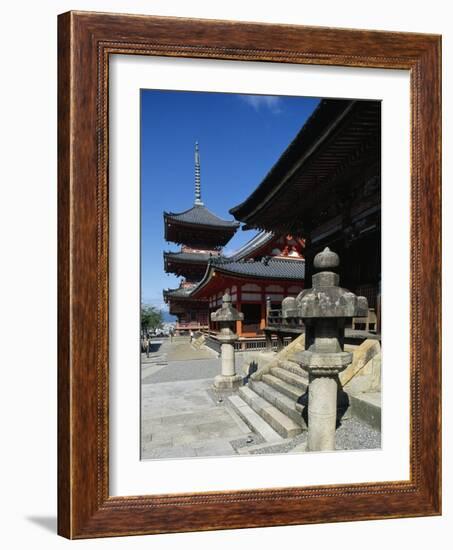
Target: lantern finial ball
x: 326, y: 260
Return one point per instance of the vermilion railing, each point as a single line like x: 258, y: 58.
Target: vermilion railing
x: 190, y: 325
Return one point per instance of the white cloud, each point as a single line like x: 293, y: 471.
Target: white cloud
x: 271, y: 102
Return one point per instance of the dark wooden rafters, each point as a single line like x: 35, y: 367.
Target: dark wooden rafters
x: 352, y: 145
x: 183, y: 266
x: 182, y: 303
x: 187, y: 305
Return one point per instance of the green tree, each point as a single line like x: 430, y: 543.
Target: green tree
x: 151, y: 317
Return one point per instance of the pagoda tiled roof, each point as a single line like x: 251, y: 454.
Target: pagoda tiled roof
x: 194, y: 257
x: 200, y: 215
x: 178, y: 292
x: 267, y: 268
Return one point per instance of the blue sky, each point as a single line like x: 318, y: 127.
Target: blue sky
x: 240, y: 138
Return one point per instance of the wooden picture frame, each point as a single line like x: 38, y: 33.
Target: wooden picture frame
x: 85, y: 41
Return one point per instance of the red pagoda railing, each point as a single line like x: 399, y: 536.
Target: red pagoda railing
x: 190, y: 325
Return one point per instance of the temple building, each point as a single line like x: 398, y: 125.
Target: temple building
x: 263, y: 272
x: 326, y: 189
x: 201, y: 236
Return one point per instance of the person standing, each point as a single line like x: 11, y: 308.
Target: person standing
x: 147, y: 345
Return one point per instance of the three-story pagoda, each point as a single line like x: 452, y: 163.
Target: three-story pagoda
x: 201, y: 235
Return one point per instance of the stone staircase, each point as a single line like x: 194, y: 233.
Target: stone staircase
x: 199, y: 341
x: 273, y: 395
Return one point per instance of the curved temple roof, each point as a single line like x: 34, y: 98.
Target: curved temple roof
x: 200, y: 215
x: 269, y: 268
x: 177, y: 292
x: 251, y: 246
x: 339, y: 134
x: 198, y: 225
x: 190, y: 257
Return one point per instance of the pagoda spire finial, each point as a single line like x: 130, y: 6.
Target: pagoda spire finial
x: 198, y: 200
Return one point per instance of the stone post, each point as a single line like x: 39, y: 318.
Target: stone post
x: 268, y: 337
x: 267, y: 333
x: 324, y: 309
x: 227, y: 316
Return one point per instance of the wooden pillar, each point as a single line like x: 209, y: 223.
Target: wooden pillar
x: 279, y: 342
x: 268, y: 309
x: 239, y: 307
x: 209, y: 314
x: 378, y: 309
x: 263, y: 310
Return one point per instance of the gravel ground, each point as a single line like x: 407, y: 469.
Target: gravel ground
x: 281, y: 448
x: 351, y: 435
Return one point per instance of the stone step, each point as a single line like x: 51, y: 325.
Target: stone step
x: 282, y: 402
x: 250, y: 449
x: 284, y: 387
x: 293, y: 367
x: 291, y: 378
x: 254, y: 420
x: 280, y: 422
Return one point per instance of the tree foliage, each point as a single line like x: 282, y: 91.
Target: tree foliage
x: 151, y: 317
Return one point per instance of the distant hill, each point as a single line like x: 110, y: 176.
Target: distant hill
x: 168, y: 318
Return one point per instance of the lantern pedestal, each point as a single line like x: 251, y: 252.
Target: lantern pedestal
x: 324, y: 310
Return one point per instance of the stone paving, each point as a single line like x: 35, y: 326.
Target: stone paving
x: 182, y: 351
x: 183, y: 416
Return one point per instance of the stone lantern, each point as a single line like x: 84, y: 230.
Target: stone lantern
x: 324, y: 309
x: 227, y: 316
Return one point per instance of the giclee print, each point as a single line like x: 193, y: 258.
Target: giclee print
x: 260, y: 328
x: 261, y: 267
